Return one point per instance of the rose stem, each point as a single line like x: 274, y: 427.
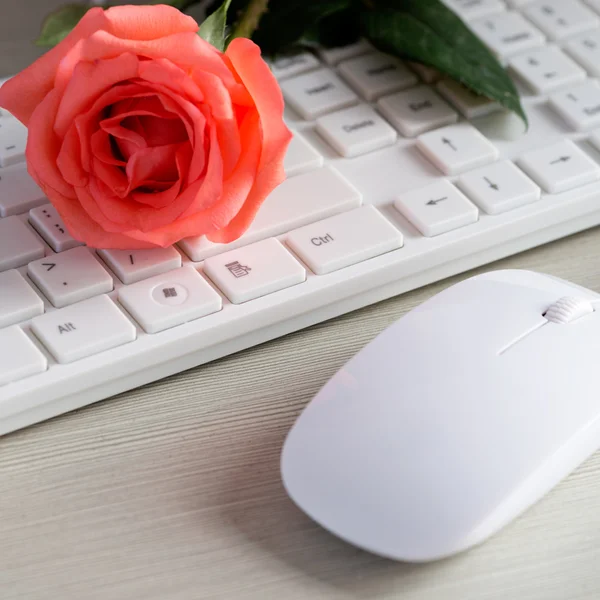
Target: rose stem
x: 248, y: 23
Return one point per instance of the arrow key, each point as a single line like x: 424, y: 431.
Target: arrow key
x: 456, y: 148
x: 560, y: 167
x: 70, y: 276
x: 437, y: 208
x: 499, y: 187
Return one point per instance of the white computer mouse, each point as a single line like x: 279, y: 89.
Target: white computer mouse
x: 454, y: 420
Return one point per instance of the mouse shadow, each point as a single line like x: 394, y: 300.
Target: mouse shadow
x: 255, y: 503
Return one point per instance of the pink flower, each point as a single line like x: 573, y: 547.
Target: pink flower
x: 141, y: 133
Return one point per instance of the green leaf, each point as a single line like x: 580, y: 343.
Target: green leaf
x: 337, y: 29
x: 58, y: 24
x: 213, y: 28
x: 287, y: 21
x: 428, y: 32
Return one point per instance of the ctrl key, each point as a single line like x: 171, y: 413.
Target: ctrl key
x: 83, y: 329
x: 19, y: 357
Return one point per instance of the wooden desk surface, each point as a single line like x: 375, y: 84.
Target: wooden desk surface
x: 172, y: 491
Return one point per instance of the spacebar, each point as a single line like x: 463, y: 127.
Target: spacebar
x: 298, y: 201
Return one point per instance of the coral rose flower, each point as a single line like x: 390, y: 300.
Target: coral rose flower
x: 141, y: 133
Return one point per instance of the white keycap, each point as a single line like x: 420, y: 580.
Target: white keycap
x: 470, y: 104
x: 135, y: 265
x: 507, y: 33
x: 546, y: 69
x: 13, y: 140
x: 18, y: 301
x: 49, y: 224
x: 297, y: 201
x: 579, y: 106
x: 70, y: 276
x: 254, y: 271
x: 375, y: 74
x: 559, y: 19
x: 437, y: 208
x: 594, y: 4
x: 18, y: 244
x: 585, y: 49
x: 301, y: 157
x: 474, y: 9
x: 499, y: 187
x: 355, y: 131
x: 19, y: 357
x: 416, y: 111
x: 289, y: 66
x: 425, y: 73
x: 332, y: 56
x: 84, y: 329
x: 170, y: 299
x: 18, y: 192
x: 317, y: 93
x: 595, y: 140
x: 344, y: 240
x: 457, y: 148
x: 560, y: 167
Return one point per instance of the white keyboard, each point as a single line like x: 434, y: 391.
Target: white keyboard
x: 396, y: 179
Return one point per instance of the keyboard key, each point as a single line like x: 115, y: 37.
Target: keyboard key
x: 317, y: 93
x: 457, y: 148
x: 594, y: 4
x: 356, y: 131
x: 437, y: 208
x: 579, y: 106
x: 290, y: 66
x: 333, y: 56
x: 499, y: 187
x: 13, y: 140
x: 375, y: 74
x: 70, y: 276
x: 344, y: 240
x: 547, y: 69
x: 18, y: 301
x: 296, y: 202
x: 416, y: 111
x: 470, y: 104
x: 559, y: 19
x: 19, y: 357
x: 49, y: 224
x: 18, y: 244
x: 301, y: 157
x: 254, y: 271
x: 134, y: 265
x: 169, y: 300
x: 585, y: 49
x: 474, y: 9
x: 18, y: 192
x: 83, y: 329
x: 560, y: 167
x: 507, y: 33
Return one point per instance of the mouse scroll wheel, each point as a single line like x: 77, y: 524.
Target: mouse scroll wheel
x: 567, y: 309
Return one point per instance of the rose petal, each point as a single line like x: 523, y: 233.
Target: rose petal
x: 257, y: 77
x: 88, y: 82
x: 43, y: 146
x: 68, y: 160
x: 152, y: 163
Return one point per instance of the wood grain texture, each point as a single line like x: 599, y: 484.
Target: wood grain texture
x: 173, y: 491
